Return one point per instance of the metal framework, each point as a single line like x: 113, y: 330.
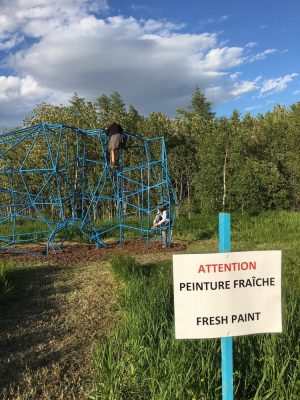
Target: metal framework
x: 56, y: 178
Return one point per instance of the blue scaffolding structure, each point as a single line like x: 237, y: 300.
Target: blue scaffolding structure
x: 55, y: 178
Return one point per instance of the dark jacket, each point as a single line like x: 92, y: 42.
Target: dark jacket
x: 113, y: 129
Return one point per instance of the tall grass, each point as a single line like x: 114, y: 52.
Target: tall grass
x: 274, y: 228
x: 141, y: 360
x: 269, y: 228
x: 6, y: 282
x: 198, y: 227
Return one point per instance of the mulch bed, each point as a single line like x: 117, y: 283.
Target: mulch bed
x: 78, y: 253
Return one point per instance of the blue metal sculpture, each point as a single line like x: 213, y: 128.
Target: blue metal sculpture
x: 54, y: 178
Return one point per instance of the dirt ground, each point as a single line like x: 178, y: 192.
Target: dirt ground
x: 84, y: 253
x: 65, y: 303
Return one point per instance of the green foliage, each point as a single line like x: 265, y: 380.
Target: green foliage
x: 199, y: 105
x: 104, y: 104
x: 111, y: 105
x: 247, y: 164
x: 235, y: 164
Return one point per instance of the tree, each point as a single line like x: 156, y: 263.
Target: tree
x: 82, y: 114
x: 103, y: 103
x: 132, y: 120
x: 199, y: 105
x: 117, y: 104
x: 110, y: 104
x: 48, y: 113
x: 133, y: 113
x: 249, y: 164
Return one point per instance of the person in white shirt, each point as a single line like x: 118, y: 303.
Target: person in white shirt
x: 162, y: 220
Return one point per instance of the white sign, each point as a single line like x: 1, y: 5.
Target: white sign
x: 227, y: 294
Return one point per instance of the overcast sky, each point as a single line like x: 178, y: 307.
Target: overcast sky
x: 242, y: 55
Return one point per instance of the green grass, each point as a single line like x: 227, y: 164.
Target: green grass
x: 246, y: 230
x: 141, y: 360
x: 21, y: 229
x: 6, y: 279
x: 272, y: 228
x: 199, y: 227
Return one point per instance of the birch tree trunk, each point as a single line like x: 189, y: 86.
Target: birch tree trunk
x: 224, y: 176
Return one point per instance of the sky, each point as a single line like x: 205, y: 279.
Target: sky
x: 242, y: 55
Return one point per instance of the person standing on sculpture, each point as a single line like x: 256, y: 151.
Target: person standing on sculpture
x: 117, y: 141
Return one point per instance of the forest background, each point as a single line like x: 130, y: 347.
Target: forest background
x: 235, y: 163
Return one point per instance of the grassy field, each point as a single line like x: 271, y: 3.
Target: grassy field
x: 52, y: 315
x: 141, y: 360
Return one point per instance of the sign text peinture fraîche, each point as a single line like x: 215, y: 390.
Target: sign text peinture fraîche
x: 227, y: 294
